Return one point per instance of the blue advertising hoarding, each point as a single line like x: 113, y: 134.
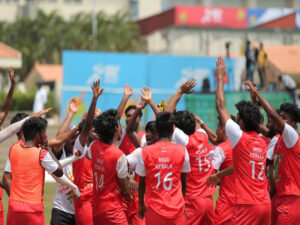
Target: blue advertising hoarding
x: 162, y: 73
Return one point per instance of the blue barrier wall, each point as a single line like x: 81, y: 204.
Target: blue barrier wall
x: 162, y: 73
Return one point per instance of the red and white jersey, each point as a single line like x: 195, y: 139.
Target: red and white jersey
x: 107, y: 169
x: 83, y: 174
x: 287, y: 163
x: 201, y: 167
x: 126, y: 145
x: 249, y: 152
x: 223, y: 159
x: 199, y: 153
x: 273, y: 142
x: 162, y: 164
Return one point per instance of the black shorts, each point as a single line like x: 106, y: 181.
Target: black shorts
x: 62, y: 218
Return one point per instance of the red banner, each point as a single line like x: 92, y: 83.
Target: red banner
x: 210, y: 17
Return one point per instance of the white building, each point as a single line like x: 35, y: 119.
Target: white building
x: 11, y: 9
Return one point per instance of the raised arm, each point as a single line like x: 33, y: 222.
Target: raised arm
x: 269, y: 109
x: 62, y: 138
x: 146, y: 96
x: 127, y: 95
x: 212, y: 136
x: 185, y: 88
x: 220, y: 97
x: 8, y: 100
x: 73, y: 108
x: 97, y: 91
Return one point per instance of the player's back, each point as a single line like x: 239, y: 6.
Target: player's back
x: 106, y: 189
x: 163, y: 162
x: 201, y: 167
x: 249, y: 161
x: 227, y: 183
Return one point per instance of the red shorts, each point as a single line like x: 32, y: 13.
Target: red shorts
x: 285, y: 210
x: 251, y: 214
x: 84, y: 213
x: 131, y: 211
x: 200, y: 211
x: 116, y: 216
x: 153, y: 218
x: 25, y: 218
x: 24, y: 213
x: 223, y: 213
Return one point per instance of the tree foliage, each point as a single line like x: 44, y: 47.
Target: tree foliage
x: 45, y: 37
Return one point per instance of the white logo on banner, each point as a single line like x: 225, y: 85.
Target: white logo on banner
x: 109, y: 74
x: 189, y: 73
x: 212, y: 16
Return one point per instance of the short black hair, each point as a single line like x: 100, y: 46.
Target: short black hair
x: 105, y: 127
x: 111, y: 112
x: 165, y: 122
x: 250, y: 115
x: 33, y: 126
x: 132, y: 107
x: 292, y: 110
x: 18, y: 117
x: 185, y: 121
x: 151, y: 126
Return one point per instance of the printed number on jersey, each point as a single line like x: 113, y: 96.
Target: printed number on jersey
x: 99, y: 181
x: 204, y: 163
x: 261, y: 166
x: 167, y: 184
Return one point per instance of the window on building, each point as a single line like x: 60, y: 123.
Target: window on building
x: 134, y: 7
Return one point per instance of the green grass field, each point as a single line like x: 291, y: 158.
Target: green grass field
x: 48, y: 198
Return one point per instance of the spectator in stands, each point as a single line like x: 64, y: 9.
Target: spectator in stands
x: 262, y: 62
x: 289, y: 85
x: 250, y: 62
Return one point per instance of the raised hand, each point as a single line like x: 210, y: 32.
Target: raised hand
x: 41, y: 113
x: 12, y: 76
x: 221, y: 68
x: 73, y: 105
x: 186, y: 88
x: 127, y: 90
x: 97, y: 91
x: 252, y: 86
x: 146, y: 94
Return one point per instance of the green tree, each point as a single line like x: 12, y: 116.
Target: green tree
x: 45, y: 37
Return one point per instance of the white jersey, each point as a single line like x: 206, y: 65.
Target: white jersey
x: 63, y: 199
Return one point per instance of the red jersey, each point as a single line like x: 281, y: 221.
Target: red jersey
x: 249, y: 162
x: 107, y: 194
x: 201, y: 167
x: 126, y: 144
x: 286, y: 168
x: 226, y: 192
x: 163, y: 164
x: 83, y: 178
